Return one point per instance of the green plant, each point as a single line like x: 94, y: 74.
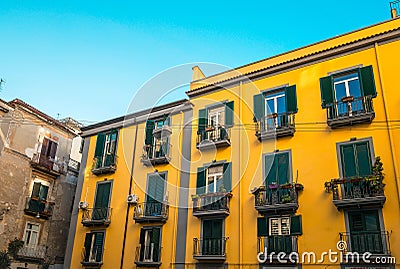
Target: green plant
x: 222, y: 188
x: 5, y: 260
x: 286, y: 198
x: 14, y: 246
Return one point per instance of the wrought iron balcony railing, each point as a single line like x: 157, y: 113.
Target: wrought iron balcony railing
x: 278, y: 244
x: 349, y: 111
x: 275, y: 125
x: 277, y: 198
x: 213, y: 136
x: 96, y: 216
x: 159, y: 153
x: 209, y: 248
x: 92, y: 256
x: 73, y: 164
x: 151, y: 212
x: 47, y: 164
x: 357, y: 192
x: 38, y: 207
x: 373, y: 242
x: 32, y: 253
x: 211, y: 204
x: 149, y: 256
x: 104, y: 165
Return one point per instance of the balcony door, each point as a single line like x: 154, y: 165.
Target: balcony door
x: 105, y: 149
x: 155, y: 194
x: 212, y: 241
x: 279, y: 239
x: 347, y: 86
x: 365, y: 232
x: 275, y: 106
x: 150, y: 244
x: 48, y: 153
x: 102, y: 201
x: 93, y: 247
x: 277, y: 173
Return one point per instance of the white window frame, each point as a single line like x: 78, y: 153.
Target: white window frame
x: 148, y: 246
x: 346, y: 83
x: 216, y: 176
x: 218, y: 112
x: 31, y: 231
x: 275, y: 98
x: 280, y: 226
x: 108, y: 146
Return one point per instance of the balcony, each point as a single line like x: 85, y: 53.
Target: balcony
x: 148, y: 256
x: 277, y: 198
x: 45, y: 164
x: 350, y: 111
x: 38, y: 208
x: 32, y: 253
x: 156, y: 154
x: 278, y: 244
x: 96, y: 217
x: 395, y: 8
x: 104, y: 165
x: 92, y: 257
x: 211, y: 204
x: 161, y: 132
x: 357, y: 192
x: 74, y: 165
x: 374, y: 242
x: 275, y: 125
x: 213, y: 249
x: 150, y: 212
x: 213, y: 137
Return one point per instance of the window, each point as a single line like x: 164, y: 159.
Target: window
x: 348, y: 92
x: 49, y: 149
x: 37, y: 201
x: 93, y: 252
x: 155, y: 194
x: 106, y: 149
x: 273, y: 108
x: 356, y: 159
x: 102, y: 201
x: 156, y: 147
x: 150, y: 244
x: 215, y: 178
x: 365, y: 231
x: 213, y: 241
x: 214, y: 121
x: 276, y: 168
x: 279, y: 226
x: 31, y: 234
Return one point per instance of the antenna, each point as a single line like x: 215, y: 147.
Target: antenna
x: 1, y: 83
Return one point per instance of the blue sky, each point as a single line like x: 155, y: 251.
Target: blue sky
x: 86, y: 59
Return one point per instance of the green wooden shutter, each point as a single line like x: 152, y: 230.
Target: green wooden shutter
x: 202, y: 121
x: 100, y: 145
x: 366, y: 75
x: 259, y: 106
x: 229, y: 115
x: 270, y: 169
x: 155, y: 188
x: 102, y: 195
x: 227, y: 177
x: 207, y: 229
x: 141, y: 241
x: 363, y: 159
x: 262, y: 227
x: 348, y: 161
x: 283, y: 167
x: 155, y: 239
x: 36, y: 190
x: 149, y: 132
x: 217, y: 228
x: 291, y: 99
x: 326, y: 87
x: 87, y: 245
x: 201, y: 180
x: 296, y: 225
x: 98, y: 244
x: 43, y: 192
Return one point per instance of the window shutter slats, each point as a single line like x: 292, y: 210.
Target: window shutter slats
x: 270, y: 169
x: 229, y: 115
x: 326, y: 87
x: 202, y: 121
x: 259, y: 106
x: 36, y: 190
x: 149, y: 132
x: 296, y: 225
x: 262, y: 229
x: 87, y: 245
x: 156, y: 243
x: 366, y: 75
x: 348, y: 161
x: 98, y: 243
x: 201, y: 180
x: 227, y: 177
x: 141, y: 241
x: 363, y: 159
x: 99, y: 145
x: 53, y: 150
x: 291, y: 99
x: 283, y: 167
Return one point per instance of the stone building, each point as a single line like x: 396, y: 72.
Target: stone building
x: 39, y: 164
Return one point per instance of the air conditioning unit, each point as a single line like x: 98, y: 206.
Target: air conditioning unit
x: 132, y: 199
x: 83, y: 205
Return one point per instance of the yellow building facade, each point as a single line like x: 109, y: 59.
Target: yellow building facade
x: 295, y: 156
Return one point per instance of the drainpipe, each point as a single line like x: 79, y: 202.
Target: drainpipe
x: 130, y: 191
x: 391, y: 144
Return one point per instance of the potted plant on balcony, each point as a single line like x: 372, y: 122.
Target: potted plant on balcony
x: 273, y: 186
x: 286, y: 186
x: 347, y: 99
x: 286, y: 198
